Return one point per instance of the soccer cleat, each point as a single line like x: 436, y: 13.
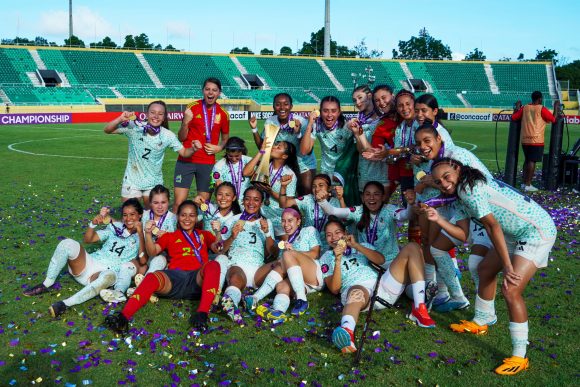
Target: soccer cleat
x: 513, y: 365
x: 469, y: 327
x: 420, y: 316
x: 36, y: 290
x: 451, y: 305
x: 57, y: 309
x: 430, y: 293
x: 440, y: 298
x: 263, y: 310
x: 112, y: 295
x: 250, y: 303
x: 343, y: 338
x: 530, y: 188
x: 117, y: 322
x: 231, y: 310
x: 276, y: 316
x: 300, y: 306
x: 198, y: 321
x: 138, y: 279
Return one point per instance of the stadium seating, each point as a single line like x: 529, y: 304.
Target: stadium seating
x: 92, y: 74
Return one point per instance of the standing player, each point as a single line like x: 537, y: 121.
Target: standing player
x: 189, y: 275
x: 292, y: 128
x: 533, y: 117
x: 522, y: 234
x: 122, y: 242
x: 147, y: 143
x: 203, y: 123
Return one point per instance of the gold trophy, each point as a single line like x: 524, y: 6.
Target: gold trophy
x: 261, y: 177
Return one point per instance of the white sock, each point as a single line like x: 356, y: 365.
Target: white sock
x: 105, y: 280
x: 234, y: 293
x: 347, y: 321
x: 473, y: 263
x: 269, y: 284
x: 66, y: 250
x: 429, y: 272
x: 484, y: 311
x: 418, y: 293
x: 519, y: 335
x: 446, y: 270
x: 126, y: 272
x: 297, y: 281
x: 157, y: 263
x: 281, y: 302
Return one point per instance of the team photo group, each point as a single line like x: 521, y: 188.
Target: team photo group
x: 258, y: 234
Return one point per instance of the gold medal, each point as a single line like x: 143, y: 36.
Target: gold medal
x: 281, y: 245
x: 132, y: 117
x: 242, y: 222
x: 341, y: 243
x: 204, y: 207
x: 106, y: 219
x: 155, y: 230
x: 420, y: 175
x: 316, y: 113
x: 292, y: 124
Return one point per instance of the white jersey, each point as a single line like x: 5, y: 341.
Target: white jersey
x: 332, y: 145
x: 272, y: 211
x: 313, y: 215
x: 306, y: 240
x: 116, y: 250
x: 146, y: 153
x: 233, y: 173
x: 249, y: 246
x: 371, y: 170
x: 305, y: 162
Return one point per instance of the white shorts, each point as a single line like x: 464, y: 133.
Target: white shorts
x: 249, y: 272
x: 477, y: 236
x: 91, y: 267
x: 129, y: 192
x: 389, y: 295
x: 312, y: 288
x: 532, y: 248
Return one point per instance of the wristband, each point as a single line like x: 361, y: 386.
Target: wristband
x: 254, y: 130
x: 262, y: 151
x: 313, y: 136
x: 282, y: 194
x: 268, y: 234
x: 92, y: 225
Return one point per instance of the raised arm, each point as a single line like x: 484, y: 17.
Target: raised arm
x: 112, y: 126
x: 253, y: 121
x: 151, y: 247
x: 184, y: 129
x: 329, y: 209
x: 307, y: 141
x: 284, y: 200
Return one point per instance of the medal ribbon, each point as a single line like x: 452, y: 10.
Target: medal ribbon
x: 277, y: 175
x: 160, y: 223
x: 364, y: 118
x: 372, y: 230
x: 196, y: 250
x: 246, y: 216
x: 208, y: 125
x: 319, y: 221
x: 237, y: 180
x: 286, y: 127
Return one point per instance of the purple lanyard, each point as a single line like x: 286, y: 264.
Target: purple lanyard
x: 364, y: 118
x: 277, y: 175
x: 246, y: 216
x: 294, y: 235
x: 319, y: 124
x: 440, y: 201
x: 237, y: 180
x: 160, y: 223
x: 318, y: 221
x: 208, y: 125
x: 404, y: 134
x: 196, y: 250
x: 372, y: 231
x: 441, y: 151
x: 119, y: 232
x: 286, y: 127
x: 213, y: 216
x: 154, y: 131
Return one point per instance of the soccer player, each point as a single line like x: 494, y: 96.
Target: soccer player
x: 534, y: 117
x: 292, y: 128
x: 299, y: 252
x: 147, y: 143
x: 189, y: 275
x: 122, y: 242
x: 347, y: 271
x: 231, y: 167
x: 248, y: 239
x: 203, y: 123
x: 522, y: 234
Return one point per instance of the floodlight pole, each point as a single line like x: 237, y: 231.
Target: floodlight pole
x: 70, y: 21
x: 327, y: 29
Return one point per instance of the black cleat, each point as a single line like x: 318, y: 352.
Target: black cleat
x: 117, y: 322
x: 36, y: 290
x: 198, y: 321
x: 57, y: 309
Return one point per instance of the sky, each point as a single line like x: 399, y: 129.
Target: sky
x: 498, y: 28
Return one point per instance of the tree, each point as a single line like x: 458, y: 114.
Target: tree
x: 170, y: 48
x: 142, y: 42
x: 424, y: 46
x: 570, y: 72
x: 129, y: 42
x: 74, y: 41
x: 40, y: 41
x: 285, y: 51
x: 547, y: 55
x: 106, y: 42
x: 266, y: 51
x: 362, y: 51
x: 475, y: 55
x: 243, y: 50
x: 158, y: 47
x: 316, y: 46
x: 505, y: 59
x: 521, y: 57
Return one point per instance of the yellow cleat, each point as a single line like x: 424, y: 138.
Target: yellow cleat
x: 513, y: 365
x: 469, y: 327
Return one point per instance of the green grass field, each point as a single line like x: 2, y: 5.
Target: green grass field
x: 56, y: 177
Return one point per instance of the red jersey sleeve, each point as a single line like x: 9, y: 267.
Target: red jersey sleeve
x: 548, y: 116
x: 164, y: 240
x: 518, y: 115
x: 384, y: 133
x: 225, y: 127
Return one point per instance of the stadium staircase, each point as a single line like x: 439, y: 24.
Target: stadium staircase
x: 490, y: 78
x: 4, y: 98
x: 149, y: 70
x: 331, y: 76
x: 39, y: 63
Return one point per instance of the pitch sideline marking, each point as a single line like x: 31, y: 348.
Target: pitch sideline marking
x: 12, y: 148
x: 473, y: 146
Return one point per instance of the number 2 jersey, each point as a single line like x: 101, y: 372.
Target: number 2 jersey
x: 146, y: 153
x: 355, y: 268
x: 116, y: 250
